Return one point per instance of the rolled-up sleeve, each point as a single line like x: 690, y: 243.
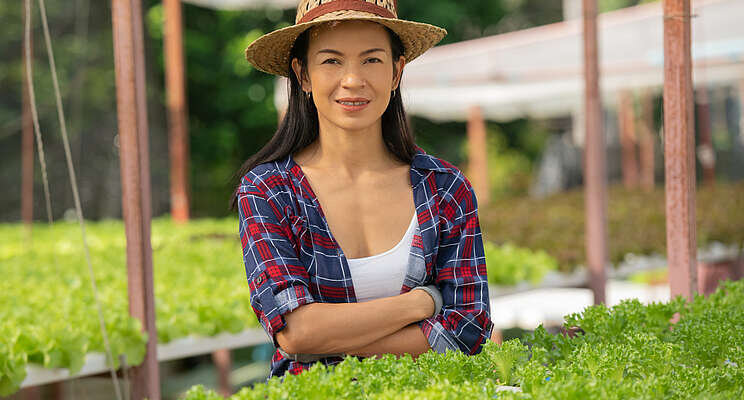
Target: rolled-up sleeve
x: 464, y: 322
x: 278, y: 280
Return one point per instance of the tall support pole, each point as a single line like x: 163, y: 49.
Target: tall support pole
x: 478, y: 155
x: 30, y: 393
x: 145, y: 311
x: 679, y: 149
x: 145, y: 378
x: 741, y: 111
x: 222, y: 359
x: 595, y: 176
x: 27, y: 149
x: 628, y: 140
x: 178, y: 139
x: 646, y: 141
x: 705, y: 152
x: 140, y: 79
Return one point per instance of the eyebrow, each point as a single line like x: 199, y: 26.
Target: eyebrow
x: 332, y: 51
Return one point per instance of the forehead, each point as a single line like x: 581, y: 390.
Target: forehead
x: 348, y: 35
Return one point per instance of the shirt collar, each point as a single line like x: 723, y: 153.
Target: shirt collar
x: 423, y: 163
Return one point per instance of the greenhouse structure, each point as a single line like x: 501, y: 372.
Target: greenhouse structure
x: 617, y: 332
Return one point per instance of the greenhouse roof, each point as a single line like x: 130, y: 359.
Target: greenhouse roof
x: 538, y: 72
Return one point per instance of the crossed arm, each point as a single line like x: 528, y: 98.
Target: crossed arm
x: 281, y: 297
x: 370, y: 328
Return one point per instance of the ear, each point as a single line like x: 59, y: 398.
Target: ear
x: 301, y: 75
x: 399, y: 72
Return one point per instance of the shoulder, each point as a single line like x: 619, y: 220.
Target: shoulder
x: 268, y: 178
x: 269, y: 184
x: 452, y: 185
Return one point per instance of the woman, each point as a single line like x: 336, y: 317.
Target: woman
x: 341, y: 216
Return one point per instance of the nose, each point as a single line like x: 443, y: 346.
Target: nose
x: 353, y: 77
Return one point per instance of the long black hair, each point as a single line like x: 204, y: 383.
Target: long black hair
x: 299, y: 127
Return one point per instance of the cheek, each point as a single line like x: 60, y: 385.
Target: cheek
x: 324, y: 78
x: 384, y: 78
x: 384, y: 87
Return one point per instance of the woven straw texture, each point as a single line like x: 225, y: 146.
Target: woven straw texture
x: 270, y: 52
x: 306, y: 6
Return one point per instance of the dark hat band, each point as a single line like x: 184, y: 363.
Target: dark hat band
x: 339, y: 5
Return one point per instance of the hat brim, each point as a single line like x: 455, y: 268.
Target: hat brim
x: 270, y: 52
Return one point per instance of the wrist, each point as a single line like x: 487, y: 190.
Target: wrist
x: 421, y: 304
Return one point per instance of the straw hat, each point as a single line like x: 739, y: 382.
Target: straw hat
x: 270, y: 52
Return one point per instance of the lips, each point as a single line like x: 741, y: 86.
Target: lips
x: 353, y: 103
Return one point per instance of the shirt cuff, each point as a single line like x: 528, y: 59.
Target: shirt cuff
x: 276, y: 306
x: 440, y: 340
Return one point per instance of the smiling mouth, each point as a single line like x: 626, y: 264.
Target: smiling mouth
x: 352, y: 103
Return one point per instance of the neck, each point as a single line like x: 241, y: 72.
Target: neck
x: 349, y: 152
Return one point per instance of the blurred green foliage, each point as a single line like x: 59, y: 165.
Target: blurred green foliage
x: 635, y: 220
x: 514, y: 149
x: 509, y: 265
x: 610, y: 5
x: 230, y: 104
x: 198, y: 276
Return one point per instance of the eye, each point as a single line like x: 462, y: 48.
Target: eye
x: 330, y: 61
x: 373, y: 59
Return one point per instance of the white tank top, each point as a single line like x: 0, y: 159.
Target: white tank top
x: 381, y: 275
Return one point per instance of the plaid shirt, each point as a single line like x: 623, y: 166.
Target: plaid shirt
x: 291, y: 258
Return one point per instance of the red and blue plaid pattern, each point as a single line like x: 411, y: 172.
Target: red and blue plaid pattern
x: 292, y: 259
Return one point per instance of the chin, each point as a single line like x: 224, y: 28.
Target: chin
x: 357, y: 127
x: 356, y: 123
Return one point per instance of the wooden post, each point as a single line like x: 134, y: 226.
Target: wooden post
x: 679, y: 149
x: 145, y: 378
x: 478, y: 155
x: 58, y: 391
x: 27, y: 146
x: 741, y: 111
x: 497, y: 336
x: 140, y: 80
x: 223, y: 361
x: 646, y: 142
x: 178, y: 139
x: 705, y: 152
x: 595, y: 175
x: 29, y: 393
x: 628, y: 140
x: 145, y: 311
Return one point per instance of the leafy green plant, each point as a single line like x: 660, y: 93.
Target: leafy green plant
x: 509, y: 265
x: 48, y: 312
x: 506, y: 358
x: 631, y: 350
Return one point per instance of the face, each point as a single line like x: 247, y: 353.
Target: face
x: 350, y: 73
